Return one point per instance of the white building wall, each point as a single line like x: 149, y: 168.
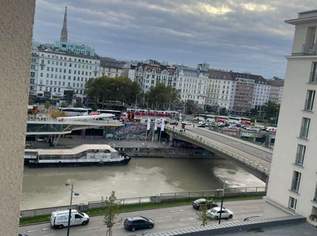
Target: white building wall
x: 221, y: 93
x: 287, y: 138
x: 261, y: 94
x: 59, y: 72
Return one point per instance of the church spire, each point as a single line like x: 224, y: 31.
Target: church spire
x: 64, y: 32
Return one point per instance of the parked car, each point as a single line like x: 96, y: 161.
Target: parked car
x: 59, y: 219
x: 198, y: 202
x: 138, y: 222
x: 214, y: 213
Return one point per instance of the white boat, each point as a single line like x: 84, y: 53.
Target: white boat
x: 86, y: 154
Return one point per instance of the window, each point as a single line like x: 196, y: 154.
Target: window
x: 313, y: 74
x: 311, y: 37
x: 292, y: 202
x: 310, y: 98
x: 296, y: 181
x: 300, y: 154
x: 304, y: 128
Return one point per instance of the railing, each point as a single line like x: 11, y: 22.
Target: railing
x: 226, y: 149
x: 162, y: 197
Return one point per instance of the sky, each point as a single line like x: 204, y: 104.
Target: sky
x: 240, y: 35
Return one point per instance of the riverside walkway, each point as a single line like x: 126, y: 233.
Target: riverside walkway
x: 253, y: 156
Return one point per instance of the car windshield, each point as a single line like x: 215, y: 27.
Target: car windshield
x: 214, y: 210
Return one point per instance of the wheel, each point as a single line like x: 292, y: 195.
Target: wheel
x: 84, y: 222
x: 230, y: 216
x: 150, y: 226
x: 133, y: 229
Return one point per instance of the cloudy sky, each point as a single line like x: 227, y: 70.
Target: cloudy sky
x: 240, y: 35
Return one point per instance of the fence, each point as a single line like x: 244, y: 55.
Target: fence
x: 163, y: 197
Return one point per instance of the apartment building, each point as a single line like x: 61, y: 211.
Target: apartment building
x: 293, y: 177
x: 221, y: 89
x: 112, y: 68
x: 57, y: 68
x: 276, y: 90
x: 192, y: 83
x: 62, y: 66
x: 150, y: 73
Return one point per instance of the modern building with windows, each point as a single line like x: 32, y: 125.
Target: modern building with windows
x: 293, y: 178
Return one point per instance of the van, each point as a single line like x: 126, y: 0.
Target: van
x: 59, y: 219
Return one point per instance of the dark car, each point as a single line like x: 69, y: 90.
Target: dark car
x: 201, y: 201
x: 139, y: 222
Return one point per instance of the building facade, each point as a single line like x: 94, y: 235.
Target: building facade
x: 221, y: 89
x: 150, y: 73
x: 62, y: 66
x: 57, y: 68
x: 192, y: 83
x: 112, y: 68
x: 276, y: 90
x: 293, y: 178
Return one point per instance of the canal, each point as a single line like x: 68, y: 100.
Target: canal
x: 45, y: 187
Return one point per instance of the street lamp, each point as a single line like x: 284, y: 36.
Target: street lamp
x: 221, y: 193
x: 72, y: 193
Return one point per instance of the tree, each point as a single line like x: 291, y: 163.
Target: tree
x: 103, y: 89
x: 47, y: 105
x: 271, y: 111
x: 202, y: 214
x: 191, y: 107
x: 162, y: 97
x: 111, y: 212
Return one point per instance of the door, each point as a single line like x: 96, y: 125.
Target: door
x: 78, y: 220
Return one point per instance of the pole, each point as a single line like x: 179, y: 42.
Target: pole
x: 70, y: 208
x: 221, y: 206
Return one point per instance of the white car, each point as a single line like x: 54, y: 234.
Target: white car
x: 59, y: 219
x: 214, y: 213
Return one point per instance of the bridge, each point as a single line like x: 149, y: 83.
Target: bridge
x: 254, y: 157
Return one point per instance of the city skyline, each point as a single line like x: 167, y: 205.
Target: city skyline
x: 187, y: 34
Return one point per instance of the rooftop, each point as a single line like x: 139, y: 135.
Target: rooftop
x: 304, y: 17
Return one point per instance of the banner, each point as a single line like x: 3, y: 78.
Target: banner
x: 155, y: 124
x: 148, y: 125
x: 162, y: 124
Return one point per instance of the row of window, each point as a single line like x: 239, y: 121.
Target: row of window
x: 303, y: 134
x: 69, y: 58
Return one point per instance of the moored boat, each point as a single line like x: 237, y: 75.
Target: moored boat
x: 86, y: 154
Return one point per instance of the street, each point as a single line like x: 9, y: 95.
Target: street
x: 234, y: 142
x: 165, y: 219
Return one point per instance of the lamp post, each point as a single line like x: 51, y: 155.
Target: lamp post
x: 221, y: 192
x: 72, y: 193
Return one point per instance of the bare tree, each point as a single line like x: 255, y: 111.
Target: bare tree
x: 111, y: 212
x: 202, y: 214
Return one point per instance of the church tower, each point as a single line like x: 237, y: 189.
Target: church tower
x: 64, y: 33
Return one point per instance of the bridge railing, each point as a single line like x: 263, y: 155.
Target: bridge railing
x: 226, y: 149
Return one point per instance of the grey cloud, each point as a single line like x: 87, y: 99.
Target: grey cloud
x: 244, y: 35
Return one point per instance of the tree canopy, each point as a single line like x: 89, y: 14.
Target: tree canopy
x: 103, y: 89
x: 162, y: 97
